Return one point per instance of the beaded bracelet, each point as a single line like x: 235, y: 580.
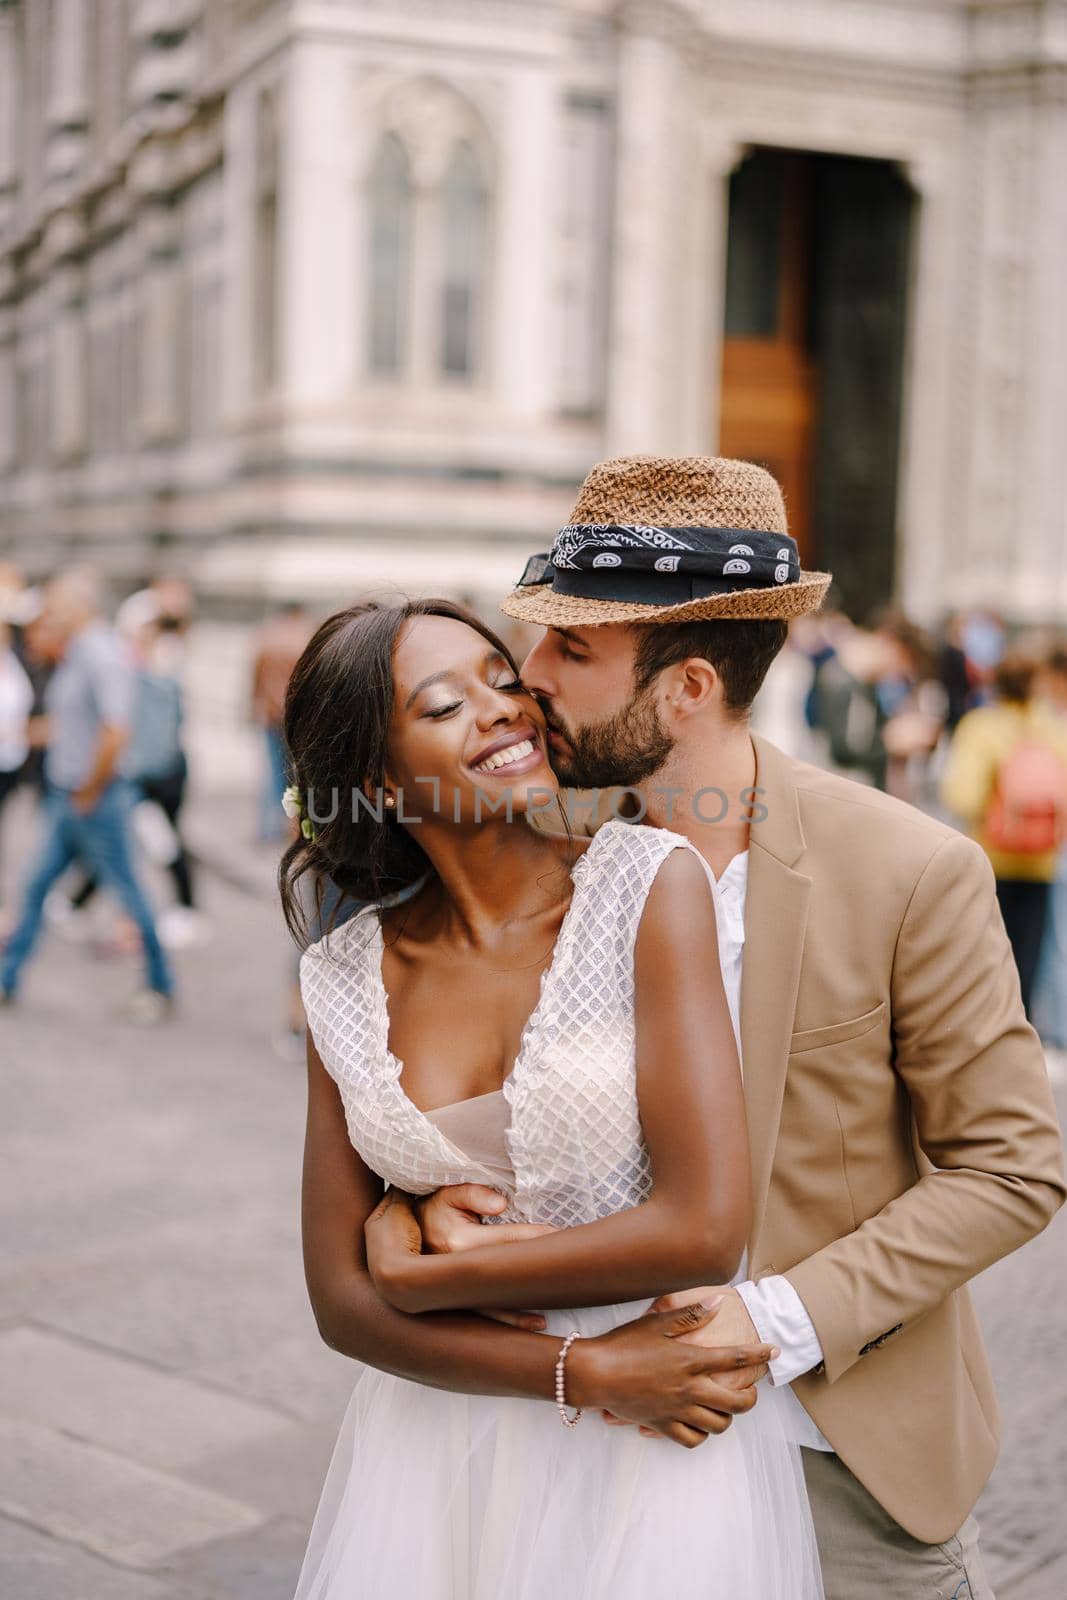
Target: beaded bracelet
x: 561, y: 1398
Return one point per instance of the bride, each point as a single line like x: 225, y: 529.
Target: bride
x: 534, y: 1013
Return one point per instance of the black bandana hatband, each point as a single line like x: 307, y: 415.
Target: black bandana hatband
x: 662, y: 566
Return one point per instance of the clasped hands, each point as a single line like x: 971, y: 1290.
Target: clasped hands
x: 682, y: 1371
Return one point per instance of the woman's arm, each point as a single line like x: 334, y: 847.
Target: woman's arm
x: 641, y: 1371
x: 692, y: 1229
x: 339, y: 1194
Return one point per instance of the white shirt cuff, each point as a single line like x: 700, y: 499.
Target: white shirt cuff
x: 780, y: 1318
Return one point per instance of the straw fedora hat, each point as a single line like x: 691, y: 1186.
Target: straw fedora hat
x: 670, y: 539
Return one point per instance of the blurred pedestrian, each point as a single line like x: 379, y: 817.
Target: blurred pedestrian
x: 847, y: 707
x: 1006, y: 777
x: 31, y: 647
x: 816, y: 637
x: 155, y: 762
x: 1050, y: 985
x: 278, y: 646
x: 167, y: 599
x: 983, y: 639
x: 915, y: 704
x: 953, y: 674
x: 16, y: 704
x: 868, y: 702
x: 87, y: 803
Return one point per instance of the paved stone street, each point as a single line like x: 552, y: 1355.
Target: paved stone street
x: 166, y: 1408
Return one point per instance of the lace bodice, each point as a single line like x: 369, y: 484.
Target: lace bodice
x: 574, y: 1139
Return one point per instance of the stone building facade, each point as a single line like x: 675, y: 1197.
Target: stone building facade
x: 310, y: 296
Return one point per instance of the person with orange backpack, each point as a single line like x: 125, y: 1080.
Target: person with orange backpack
x: 1006, y: 778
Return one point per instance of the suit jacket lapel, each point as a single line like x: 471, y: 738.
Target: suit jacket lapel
x: 776, y: 912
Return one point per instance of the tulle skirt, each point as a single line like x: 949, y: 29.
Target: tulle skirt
x: 436, y: 1496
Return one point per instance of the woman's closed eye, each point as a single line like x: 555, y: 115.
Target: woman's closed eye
x: 512, y: 686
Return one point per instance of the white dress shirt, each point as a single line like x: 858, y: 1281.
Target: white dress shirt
x: 773, y: 1304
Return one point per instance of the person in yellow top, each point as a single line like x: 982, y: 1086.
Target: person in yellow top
x: 1006, y: 778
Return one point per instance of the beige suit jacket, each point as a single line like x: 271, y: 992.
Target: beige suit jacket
x: 903, y: 1131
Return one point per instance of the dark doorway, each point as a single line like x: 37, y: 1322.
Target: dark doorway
x: 816, y: 300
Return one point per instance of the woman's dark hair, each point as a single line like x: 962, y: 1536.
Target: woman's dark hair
x: 1013, y: 677
x: 338, y: 706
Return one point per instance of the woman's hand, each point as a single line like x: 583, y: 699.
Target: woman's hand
x: 400, y: 1231
x: 394, y: 1239
x: 393, y: 1242
x: 730, y: 1328
x: 650, y: 1372
x: 451, y: 1220
x: 632, y: 1371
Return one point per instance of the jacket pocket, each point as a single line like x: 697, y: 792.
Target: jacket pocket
x: 837, y: 1032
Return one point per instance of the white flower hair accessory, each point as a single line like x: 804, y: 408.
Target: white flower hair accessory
x: 294, y: 807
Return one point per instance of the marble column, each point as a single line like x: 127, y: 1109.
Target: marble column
x: 8, y: 431
x: 703, y: 292
x: 931, y: 514
x: 67, y: 389
x: 316, y: 228
x: 1018, y: 351
x: 68, y: 89
x: 10, y: 106
x: 654, y: 166
x: 162, y: 345
x: 1004, y: 158
x: 164, y: 72
x: 580, y: 229
x: 1042, y: 520
x: 520, y: 358
x: 237, y: 251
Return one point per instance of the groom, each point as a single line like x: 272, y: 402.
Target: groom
x: 903, y: 1133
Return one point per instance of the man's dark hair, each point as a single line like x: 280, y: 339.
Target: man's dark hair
x: 740, y: 652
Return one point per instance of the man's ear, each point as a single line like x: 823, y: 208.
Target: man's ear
x: 693, y: 686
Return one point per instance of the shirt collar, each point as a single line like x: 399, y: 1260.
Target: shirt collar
x: 730, y: 890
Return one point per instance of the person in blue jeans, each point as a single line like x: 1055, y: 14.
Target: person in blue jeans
x: 87, y: 803
x: 1050, y: 986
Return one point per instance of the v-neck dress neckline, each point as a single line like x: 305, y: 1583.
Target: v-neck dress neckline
x: 375, y: 976
x: 574, y: 1132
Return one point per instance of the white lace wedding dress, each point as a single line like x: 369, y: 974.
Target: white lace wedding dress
x: 439, y: 1496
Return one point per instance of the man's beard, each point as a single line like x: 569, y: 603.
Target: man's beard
x: 621, y: 751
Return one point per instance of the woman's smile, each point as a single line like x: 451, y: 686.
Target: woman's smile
x: 515, y: 753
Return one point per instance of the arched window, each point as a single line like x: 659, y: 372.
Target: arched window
x: 465, y: 204
x: 389, y: 267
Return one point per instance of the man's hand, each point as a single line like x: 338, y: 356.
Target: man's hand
x: 656, y: 1372
x: 653, y: 1372
x: 728, y: 1329
x: 451, y: 1220
x: 732, y: 1325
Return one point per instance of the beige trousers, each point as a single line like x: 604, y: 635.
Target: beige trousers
x: 867, y: 1556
